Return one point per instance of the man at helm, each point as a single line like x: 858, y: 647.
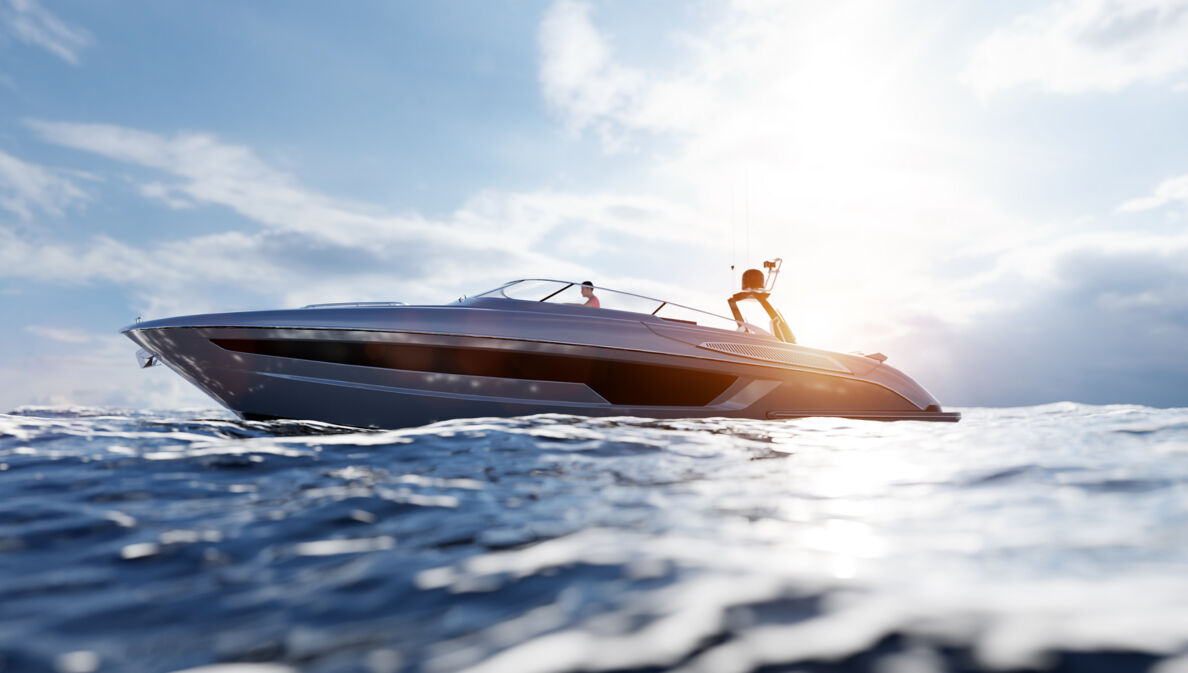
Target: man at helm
x: 588, y: 293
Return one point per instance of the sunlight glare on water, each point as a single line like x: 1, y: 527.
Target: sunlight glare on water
x: 1018, y: 539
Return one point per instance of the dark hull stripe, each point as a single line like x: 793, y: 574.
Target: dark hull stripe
x: 618, y: 382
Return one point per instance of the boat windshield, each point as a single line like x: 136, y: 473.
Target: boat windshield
x: 567, y: 292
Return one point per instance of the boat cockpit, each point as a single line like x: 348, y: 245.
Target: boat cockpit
x: 570, y: 292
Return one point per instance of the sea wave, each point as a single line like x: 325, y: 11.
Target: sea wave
x: 1032, y: 538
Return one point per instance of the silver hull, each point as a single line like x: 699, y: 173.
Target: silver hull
x: 394, y: 367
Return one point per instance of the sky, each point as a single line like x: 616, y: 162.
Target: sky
x: 995, y: 195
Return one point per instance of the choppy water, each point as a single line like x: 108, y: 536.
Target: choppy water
x: 1050, y: 538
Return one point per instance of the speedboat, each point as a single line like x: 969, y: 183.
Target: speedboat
x: 527, y: 347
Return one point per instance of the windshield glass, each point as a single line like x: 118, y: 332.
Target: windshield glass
x: 754, y: 315
x: 529, y: 290
x: 565, y: 292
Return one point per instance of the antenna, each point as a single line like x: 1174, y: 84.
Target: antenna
x: 747, y: 209
x: 733, y: 231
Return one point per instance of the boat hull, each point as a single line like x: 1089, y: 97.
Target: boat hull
x: 392, y: 378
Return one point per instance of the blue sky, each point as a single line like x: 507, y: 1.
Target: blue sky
x: 994, y: 194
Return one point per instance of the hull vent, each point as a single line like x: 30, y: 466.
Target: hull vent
x: 780, y: 355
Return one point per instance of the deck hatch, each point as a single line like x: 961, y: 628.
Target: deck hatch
x: 618, y: 382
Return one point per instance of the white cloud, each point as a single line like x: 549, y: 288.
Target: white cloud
x: 1074, y: 46
x: 578, y: 74
x: 815, y: 119
x: 61, y: 334
x: 1099, y: 318
x: 214, y: 172
x: 26, y: 188
x: 810, y: 126
x: 769, y: 67
x: 32, y: 24
x: 309, y: 247
x: 165, y: 194
x: 73, y: 366
x: 210, y: 171
x: 101, y: 259
x: 1169, y: 191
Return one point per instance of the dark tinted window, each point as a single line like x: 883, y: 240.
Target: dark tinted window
x: 617, y: 381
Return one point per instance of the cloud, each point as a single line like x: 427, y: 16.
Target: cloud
x: 165, y: 194
x: 78, y: 366
x: 1171, y: 190
x: 577, y: 73
x: 1099, y: 318
x: 100, y: 259
x: 214, y: 172
x: 60, y: 334
x: 211, y: 171
x: 1076, y: 46
x: 26, y: 188
x: 804, y: 131
x: 308, y: 247
x: 765, y: 67
x: 813, y: 119
x: 31, y: 23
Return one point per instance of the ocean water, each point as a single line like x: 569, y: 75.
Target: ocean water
x: 1042, y: 538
